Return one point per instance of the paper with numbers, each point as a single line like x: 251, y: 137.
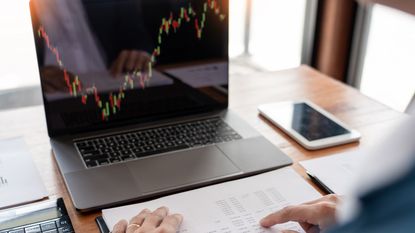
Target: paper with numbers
x: 235, y: 206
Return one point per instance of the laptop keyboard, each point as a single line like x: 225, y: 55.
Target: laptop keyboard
x: 128, y: 146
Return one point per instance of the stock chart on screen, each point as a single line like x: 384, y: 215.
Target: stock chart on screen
x: 109, y: 61
x: 136, y: 79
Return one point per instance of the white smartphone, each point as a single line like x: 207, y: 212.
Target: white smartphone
x: 308, y: 124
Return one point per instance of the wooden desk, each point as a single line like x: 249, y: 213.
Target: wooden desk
x: 247, y: 92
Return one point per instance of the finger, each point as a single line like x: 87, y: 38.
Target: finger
x: 326, y: 212
x: 171, y: 223
x: 47, y: 88
x: 133, y: 56
x: 54, y: 83
x: 120, y: 227
x: 139, y: 61
x: 334, y: 198
x: 330, y: 198
x: 305, y: 225
x: 323, y: 198
x: 118, y: 64
x: 289, y: 231
x: 57, y: 84
x: 146, y: 64
x: 154, y: 219
x: 139, y: 218
x: 298, y: 213
x: 132, y: 228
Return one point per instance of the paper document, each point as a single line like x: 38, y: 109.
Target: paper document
x: 336, y: 171
x: 235, y: 206
x: 210, y: 74
x: 20, y: 182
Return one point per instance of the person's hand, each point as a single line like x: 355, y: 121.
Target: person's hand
x: 130, y: 60
x: 53, y: 79
x: 159, y: 221
x: 314, y: 216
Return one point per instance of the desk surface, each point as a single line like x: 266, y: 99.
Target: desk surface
x: 371, y: 118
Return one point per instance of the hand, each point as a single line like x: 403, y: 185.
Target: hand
x: 53, y: 79
x: 130, y: 60
x: 314, y: 216
x: 146, y: 221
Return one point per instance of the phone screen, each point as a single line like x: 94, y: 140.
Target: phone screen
x: 311, y: 124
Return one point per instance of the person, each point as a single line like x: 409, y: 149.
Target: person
x: 381, y: 199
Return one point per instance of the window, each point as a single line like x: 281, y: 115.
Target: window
x: 237, y: 11
x: 264, y: 33
x: 18, y: 58
x: 388, y: 72
x: 275, y: 32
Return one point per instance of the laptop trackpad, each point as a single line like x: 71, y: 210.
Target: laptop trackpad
x: 181, y: 169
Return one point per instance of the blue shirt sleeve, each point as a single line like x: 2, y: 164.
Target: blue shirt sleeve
x: 388, y: 209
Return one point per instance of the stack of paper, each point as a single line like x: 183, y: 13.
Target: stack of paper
x: 235, y: 206
x: 20, y: 182
x: 336, y: 172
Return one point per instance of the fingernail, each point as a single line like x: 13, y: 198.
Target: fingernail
x: 178, y: 217
x: 165, y: 208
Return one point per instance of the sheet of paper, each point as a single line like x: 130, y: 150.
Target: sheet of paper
x: 20, y: 182
x: 336, y: 171
x: 235, y: 206
x: 211, y: 74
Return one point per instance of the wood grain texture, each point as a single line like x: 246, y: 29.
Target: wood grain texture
x: 247, y: 92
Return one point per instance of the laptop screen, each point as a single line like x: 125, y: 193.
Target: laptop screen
x: 110, y: 62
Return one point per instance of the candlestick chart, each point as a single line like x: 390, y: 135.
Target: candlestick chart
x: 111, y: 104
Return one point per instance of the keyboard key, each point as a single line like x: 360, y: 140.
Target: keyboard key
x: 95, y: 157
x: 127, y: 158
x: 65, y: 230
x: 33, y: 229
x: 115, y: 160
x: 61, y: 223
x: 48, y: 226
x: 103, y: 161
x: 91, y: 163
x: 15, y: 231
x: 51, y: 231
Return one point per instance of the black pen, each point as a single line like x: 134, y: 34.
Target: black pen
x: 320, y: 184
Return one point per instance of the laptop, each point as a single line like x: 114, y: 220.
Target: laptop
x: 136, y: 97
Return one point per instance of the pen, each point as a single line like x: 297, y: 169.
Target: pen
x: 320, y: 184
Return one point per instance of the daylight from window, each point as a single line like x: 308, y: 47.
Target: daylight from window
x: 389, y: 72
x: 276, y: 32
x: 275, y: 38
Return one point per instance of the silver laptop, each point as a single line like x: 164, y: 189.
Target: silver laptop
x: 136, y: 97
